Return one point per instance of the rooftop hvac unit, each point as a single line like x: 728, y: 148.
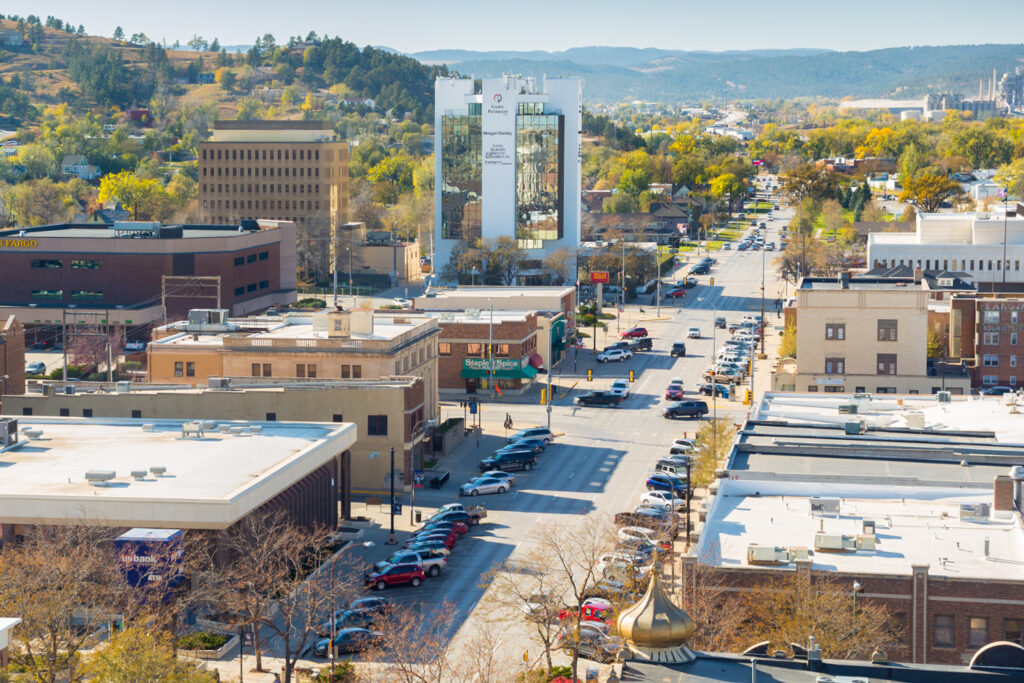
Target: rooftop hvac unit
x: 124, y: 387
x: 97, y: 477
x: 8, y: 432
x: 868, y: 526
x: 861, y: 396
x: 220, y: 382
x: 915, y: 419
x: 139, y: 474
x: 848, y: 409
x: 207, y: 316
x: 824, y: 506
x: 943, y: 397
x: 975, y: 511
x: 834, y: 543
x: 799, y: 552
x: 157, y: 471
x: 69, y: 390
x: 767, y: 554
x: 866, y: 541
x: 854, y: 427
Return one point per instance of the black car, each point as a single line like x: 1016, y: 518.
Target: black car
x: 624, y: 345
x: 598, y: 398
x: 350, y: 618
x: 508, y: 459
x: 642, y: 344
x: 700, y: 269
x: 685, y: 409
x: 349, y: 640
x: 719, y: 389
x: 678, y: 349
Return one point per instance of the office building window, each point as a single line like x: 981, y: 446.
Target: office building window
x: 47, y: 263
x: 239, y: 291
x: 835, y: 366
x: 136, y: 413
x: 307, y: 370
x: 990, y: 380
x: 239, y: 260
x: 1013, y: 338
x: 833, y: 389
x: 990, y: 360
x: 398, y: 367
x: 977, y: 632
x: 992, y: 317
x: 179, y: 368
x: 887, y: 330
x: 475, y: 350
x: 264, y: 255
x: 251, y: 258
x: 942, y: 635
x: 86, y: 412
x: 346, y: 371
x: 990, y: 339
x: 264, y: 284
x: 48, y: 293
x: 261, y: 370
x: 501, y: 350
x: 813, y: 388
x: 251, y: 287
x: 87, y: 264
x: 1013, y: 380
x: 377, y: 425
x: 1013, y: 361
x: 886, y: 363
x: 26, y: 410
x: 271, y: 417
x: 190, y: 369
x: 444, y: 348
x: 86, y: 294
x: 835, y: 330
x: 1012, y: 631
x: 337, y: 417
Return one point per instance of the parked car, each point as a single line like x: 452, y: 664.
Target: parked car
x: 662, y: 539
x: 686, y: 283
x: 429, y: 561
x: 675, y: 294
x: 646, y: 516
x: 542, y: 433
x: 681, y: 447
x: 498, y: 474
x: 663, y: 499
x: 519, y: 459
x: 634, y: 332
x: 678, y: 349
x: 592, y: 643
x: 721, y: 390
x: 537, y: 445
x: 996, y: 391
x: 693, y: 333
x: 674, y: 392
x: 617, y: 355
x: 700, y: 269
x: 620, y: 387
x: 350, y: 618
x: 394, y: 575
x: 417, y: 544
x: 457, y: 512
x: 460, y: 528
x: 484, y: 485
x: 348, y: 640
x: 36, y: 368
x: 664, y: 481
x: 727, y: 246
x: 685, y: 409
x: 720, y: 322
x: 447, y: 537
x: 598, y: 398
x: 592, y: 609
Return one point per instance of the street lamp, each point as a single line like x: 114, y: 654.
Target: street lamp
x: 856, y: 590
x: 473, y: 273
x: 349, y: 250
x: 334, y: 598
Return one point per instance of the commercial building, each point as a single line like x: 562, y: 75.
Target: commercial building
x: 387, y: 413
x: 373, y: 258
x: 170, y: 474
x: 972, y: 243
x: 986, y: 333
x: 480, y: 349
x: 286, y: 170
x: 330, y: 344
x: 867, y: 334
x: 916, y: 499
x: 135, y: 274
x: 507, y: 163
x: 555, y: 307
x: 12, y: 357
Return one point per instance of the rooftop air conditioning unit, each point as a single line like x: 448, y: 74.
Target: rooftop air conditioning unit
x: 978, y: 512
x: 834, y: 543
x: 862, y: 396
x: 767, y: 554
x: 8, y: 432
x: 124, y: 387
x: 854, y: 427
x: 848, y: 409
x: 99, y: 477
x: 220, y: 382
x: 943, y: 397
x: 868, y: 526
x: 799, y: 552
x: 821, y: 507
x: 157, y: 471
x: 139, y: 474
x: 866, y: 541
x: 69, y: 390
x: 915, y: 419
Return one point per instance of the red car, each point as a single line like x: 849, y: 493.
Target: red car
x: 458, y: 527
x: 674, y: 391
x: 395, y: 574
x: 676, y: 293
x: 635, y: 333
x: 594, y: 609
x: 447, y: 537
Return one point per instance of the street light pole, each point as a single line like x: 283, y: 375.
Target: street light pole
x: 349, y: 250
x: 334, y: 602
x: 551, y: 358
x: 762, y: 307
x: 391, y: 536
x: 490, y: 343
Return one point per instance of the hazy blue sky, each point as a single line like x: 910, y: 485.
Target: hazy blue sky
x: 413, y: 25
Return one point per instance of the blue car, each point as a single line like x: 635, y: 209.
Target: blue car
x: 661, y: 481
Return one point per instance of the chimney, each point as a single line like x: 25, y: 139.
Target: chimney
x: 918, y: 275
x: 1002, y: 492
x: 844, y: 279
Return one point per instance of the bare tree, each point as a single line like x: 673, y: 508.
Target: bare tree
x: 562, y: 263
x: 416, y: 644
x: 88, y: 345
x: 719, y: 611
x: 62, y: 582
x: 313, y: 249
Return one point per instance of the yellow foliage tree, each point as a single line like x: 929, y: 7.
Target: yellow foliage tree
x: 144, y: 197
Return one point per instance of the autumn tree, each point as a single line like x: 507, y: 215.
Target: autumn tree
x: 833, y: 218
x: 1011, y: 176
x: 138, y: 654
x: 146, y: 198
x: 36, y: 202
x: 714, y: 441
x: 787, y: 347
x: 717, y: 610
x: 562, y: 262
x: 808, y: 180
x: 928, y: 192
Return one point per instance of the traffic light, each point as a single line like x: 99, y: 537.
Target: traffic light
x: 632, y: 376
x: 590, y: 375
x: 543, y: 396
x: 712, y: 280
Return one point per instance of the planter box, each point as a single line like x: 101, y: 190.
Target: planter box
x: 211, y: 654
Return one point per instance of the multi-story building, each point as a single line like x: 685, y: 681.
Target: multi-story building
x: 137, y: 273
x: 865, y: 334
x: 507, y: 163
x: 989, y: 247
x: 473, y: 345
x: 324, y: 346
x: 12, y: 357
x: 986, y: 331
x: 287, y: 170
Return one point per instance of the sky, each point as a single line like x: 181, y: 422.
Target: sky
x: 415, y: 25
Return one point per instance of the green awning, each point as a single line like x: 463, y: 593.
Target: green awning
x: 525, y: 372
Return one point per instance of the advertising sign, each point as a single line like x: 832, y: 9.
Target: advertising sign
x: 500, y: 364
x: 151, y: 556
x: 599, y: 277
x: 498, y: 130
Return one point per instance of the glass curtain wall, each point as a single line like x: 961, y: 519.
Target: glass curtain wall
x: 539, y: 136
x: 460, y: 175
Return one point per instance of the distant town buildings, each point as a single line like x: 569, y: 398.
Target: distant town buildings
x: 507, y: 163
x: 77, y: 166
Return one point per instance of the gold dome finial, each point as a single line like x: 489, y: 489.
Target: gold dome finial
x: 655, y: 627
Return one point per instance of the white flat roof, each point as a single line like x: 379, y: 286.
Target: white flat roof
x: 210, y: 482
x: 499, y: 292
x: 484, y: 317
x: 925, y: 529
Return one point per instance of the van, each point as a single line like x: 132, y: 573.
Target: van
x: 671, y: 466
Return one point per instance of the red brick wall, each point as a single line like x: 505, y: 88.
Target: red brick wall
x: 521, y: 337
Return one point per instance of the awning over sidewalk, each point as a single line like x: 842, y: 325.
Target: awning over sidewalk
x: 526, y: 372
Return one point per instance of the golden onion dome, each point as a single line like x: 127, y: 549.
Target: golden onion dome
x: 655, y: 622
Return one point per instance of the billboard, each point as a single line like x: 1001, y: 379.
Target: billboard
x: 151, y: 557
x: 599, y: 277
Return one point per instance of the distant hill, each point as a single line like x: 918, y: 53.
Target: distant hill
x: 615, y: 74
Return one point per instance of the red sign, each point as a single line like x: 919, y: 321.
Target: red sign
x: 599, y: 277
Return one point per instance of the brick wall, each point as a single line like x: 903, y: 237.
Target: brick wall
x: 519, y: 335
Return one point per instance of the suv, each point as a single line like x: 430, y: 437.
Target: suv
x: 542, y: 433
x: 720, y: 322
x: 598, y: 398
x: 685, y: 409
x: 617, y: 355
x: 678, y: 349
x: 641, y: 344
x: 430, y: 561
x: 511, y: 459
x: 634, y: 332
x: 395, y: 574
x: 36, y: 368
x: 592, y: 643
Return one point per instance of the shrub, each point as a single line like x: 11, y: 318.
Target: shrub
x: 343, y: 673
x: 310, y: 302
x: 202, y: 640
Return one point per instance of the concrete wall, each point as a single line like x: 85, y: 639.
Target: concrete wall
x: 380, y: 259
x: 12, y: 356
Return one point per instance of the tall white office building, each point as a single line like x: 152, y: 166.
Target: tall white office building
x: 507, y: 163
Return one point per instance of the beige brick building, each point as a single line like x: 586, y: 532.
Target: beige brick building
x: 863, y: 334
x: 285, y: 170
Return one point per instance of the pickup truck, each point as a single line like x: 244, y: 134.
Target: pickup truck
x: 431, y: 562
x: 457, y: 512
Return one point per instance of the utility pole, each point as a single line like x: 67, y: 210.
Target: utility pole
x: 64, y: 339
x: 490, y: 344
x: 551, y: 357
x: 1006, y: 264
x: 763, y: 355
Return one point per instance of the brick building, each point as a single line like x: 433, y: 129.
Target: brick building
x: 914, y: 509
x: 470, y: 344
x: 987, y: 333
x: 12, y: 356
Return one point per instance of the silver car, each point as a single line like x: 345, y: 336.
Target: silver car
x: 484, y: 485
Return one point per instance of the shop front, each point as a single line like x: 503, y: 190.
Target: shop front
x: 509, y: 374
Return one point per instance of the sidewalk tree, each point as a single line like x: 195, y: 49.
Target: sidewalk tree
x: 928, y: 192
x: 714, y: 440
x: 137, y: 654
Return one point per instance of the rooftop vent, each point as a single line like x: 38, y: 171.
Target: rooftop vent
x: 821, y: 507
x: 158, y: 471
x: 139, y: 474
x: 848, y: 409
x: 124, y: 387
x: 943, y: 397
x: 100, y: 477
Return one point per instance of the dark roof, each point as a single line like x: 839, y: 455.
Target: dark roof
x: 961, y: 280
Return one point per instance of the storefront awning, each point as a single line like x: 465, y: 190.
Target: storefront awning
x: 526, y: 372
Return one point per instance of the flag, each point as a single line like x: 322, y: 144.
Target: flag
x: 1001, y: 193
x: 498, y: 390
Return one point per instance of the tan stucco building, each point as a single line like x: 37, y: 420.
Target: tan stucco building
x: 325, y: 345
x: 863, y: 334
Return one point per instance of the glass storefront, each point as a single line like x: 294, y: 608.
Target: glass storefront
x: 539, y: 137
x: 460, y: 175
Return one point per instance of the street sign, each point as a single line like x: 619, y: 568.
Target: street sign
x: 396, y: 508
x: 472, y: 407
x: 247, y: 638
x: 417, y: 478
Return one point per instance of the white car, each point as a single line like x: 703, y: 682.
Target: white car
x: 662, y: 500
x: 620, y: 387
x: 404, y: 303
x: 484, y: 485
x: 631, y: 533
x: 498, y: 474
x: 693, y: 333
x: 617, y: 355
x: 134, y: 345
x: 687, y: 443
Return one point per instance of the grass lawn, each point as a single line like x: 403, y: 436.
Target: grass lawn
x: 715, y: 244
x: 728, y: 234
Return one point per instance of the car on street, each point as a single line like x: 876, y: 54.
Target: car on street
x: 634, y: 332
x: 625, y: 345
x: 693, y: 333
x: 394, y: 575
x: 620, y: 387
x: 498, y: 474
x: 350, y: 618
x: 641, y: 344
x: 507, y: 460
x: 700, y: 269
x: 542, y: 433
x: 484, y: 485
x: 134, y: 345
x: 721, y: 390
x: 665, y: 481
x: 996, y: 391
x: 537, y: 445
x: 695, y: 409
x: 598, y: 398
x: 594, y: 644
x: 743, y: 246
x: 674, y: 392
x: 727, y: 246
x: 348, y: 640
x: 676, y: 294
x: 686, y: 283
x: 770, y: 246
x: 678, y: 349
x: 36, y: 368
x: 720, y: 322
x: 662, y: 500
x: 402, y: 302
x: 429, y: 561
x: 615, y: 355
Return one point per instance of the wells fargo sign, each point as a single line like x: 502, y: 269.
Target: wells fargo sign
x: 18, y: 243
